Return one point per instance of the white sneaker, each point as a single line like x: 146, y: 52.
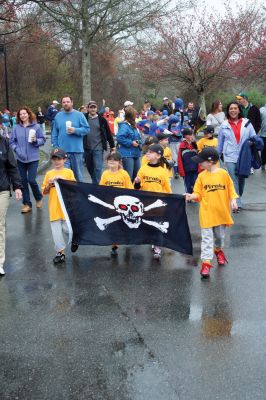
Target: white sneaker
x: 252, y: 171
x: 157, y: 252
x: 263, y: 167
x: 2, y: 272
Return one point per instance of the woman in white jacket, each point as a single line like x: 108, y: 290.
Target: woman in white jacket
x: 232, y: 135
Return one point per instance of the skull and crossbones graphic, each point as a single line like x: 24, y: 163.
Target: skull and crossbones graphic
x: 130, y: 210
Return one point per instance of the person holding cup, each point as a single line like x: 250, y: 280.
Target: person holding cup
x: 26, y: 138
x: 70, y: 126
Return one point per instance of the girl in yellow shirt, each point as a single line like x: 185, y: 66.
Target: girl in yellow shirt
x: 115, y: 176
x: 214, y: 189
x: 153, y: 177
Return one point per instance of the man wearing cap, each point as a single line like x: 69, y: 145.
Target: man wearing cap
x: 167, y: 106
x: 249, y: 111
x: 96, y: 142
x: 69, y: 128
x: 51, y: 113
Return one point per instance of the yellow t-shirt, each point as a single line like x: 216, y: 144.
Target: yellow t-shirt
x: 154, y: 179
x: 55, y: 210
x: 204, y: 142
x: 116, y: 179
x: 214, y: 190
x: 168, y: 155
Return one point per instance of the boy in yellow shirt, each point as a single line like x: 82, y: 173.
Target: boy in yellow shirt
x: 115, y: 176
x: 214, y: 189
x: 208, y: 140
x: 57, y: 219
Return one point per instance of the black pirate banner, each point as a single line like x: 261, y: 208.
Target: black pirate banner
x: 101, y: 215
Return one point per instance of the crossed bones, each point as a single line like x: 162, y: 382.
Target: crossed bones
x: 102, y: 223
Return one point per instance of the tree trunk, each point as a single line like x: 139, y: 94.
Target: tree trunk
x: 202, y: 104
x: 85, y: 54
x: 86, y: 71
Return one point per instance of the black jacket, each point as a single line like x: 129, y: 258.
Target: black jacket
x: 254, y: 117
x: 105, y: 134
x: 8, y: 167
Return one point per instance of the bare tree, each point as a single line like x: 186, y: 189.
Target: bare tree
x: 91, y: 21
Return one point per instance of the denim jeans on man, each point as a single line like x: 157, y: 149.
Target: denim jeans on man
x: 74, y: 161
x: 28, y: 173
x: 239, y: 181
x: 94, y: 163
x: 132, y: 166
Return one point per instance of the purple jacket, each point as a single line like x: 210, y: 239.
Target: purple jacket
x: 26, y: 152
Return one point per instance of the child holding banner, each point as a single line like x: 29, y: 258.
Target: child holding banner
x: 214, y: 189
x: 115, y: 176
x: 154, y: 177
x: 57, y: 219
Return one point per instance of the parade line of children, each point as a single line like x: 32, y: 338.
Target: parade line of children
x: 205, y: 182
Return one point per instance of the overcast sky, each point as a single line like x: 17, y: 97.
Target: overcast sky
x: 219, y: 4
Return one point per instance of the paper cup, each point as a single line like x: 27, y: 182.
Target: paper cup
x: 68, y: 125
x: 32, y: 135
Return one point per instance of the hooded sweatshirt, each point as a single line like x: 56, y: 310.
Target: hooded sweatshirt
x: 19, y: 140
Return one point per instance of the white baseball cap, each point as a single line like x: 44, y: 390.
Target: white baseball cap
x: 55, y: 102
x: 128, y: 103
x: 165, y: 98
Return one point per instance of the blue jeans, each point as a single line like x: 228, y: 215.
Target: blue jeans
x: 74, y: 161
x: 132, y: 166
x: 28, y: 173
x: 94, y: 163
x: 189, y: 181
x: 239, y: 181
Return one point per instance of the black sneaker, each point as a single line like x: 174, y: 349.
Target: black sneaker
x: 114, y: 251
x: 176, y: 175
x: 74, y: 247
x: 59, y: 258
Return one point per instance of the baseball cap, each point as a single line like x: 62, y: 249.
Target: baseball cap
x: 156, y: 148
x: 242, y: 95
x: 207, y: 154
x: 92, y: 102
x: 59, y: 153
x: 151, y: 113
x: 55, y: 102
x: 162, y: 136
x: 165, y: 98
x: 128, y: 103
x: 187, y: 131
x: 114, y: 156
x: 151, y: 140
x: 208, y: 129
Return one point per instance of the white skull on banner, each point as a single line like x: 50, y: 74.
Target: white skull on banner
x: 131, y: 210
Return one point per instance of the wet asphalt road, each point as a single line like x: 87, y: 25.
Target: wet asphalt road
x: 131, y: 328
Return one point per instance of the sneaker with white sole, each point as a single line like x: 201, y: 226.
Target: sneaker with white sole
x: 157, y: 252
x: 2, y: 272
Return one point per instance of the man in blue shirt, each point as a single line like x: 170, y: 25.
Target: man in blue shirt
x: 69, y: 128
x: 51, y: 113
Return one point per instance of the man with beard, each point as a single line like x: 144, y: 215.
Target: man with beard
x: 69, y: 128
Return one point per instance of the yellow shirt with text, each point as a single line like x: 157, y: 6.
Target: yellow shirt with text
x: 154, y: 179
x: 204, y: 142
x: 167, y: 154
x: 116, y: 179
x: 214, y: 191
x: 55, y: 210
